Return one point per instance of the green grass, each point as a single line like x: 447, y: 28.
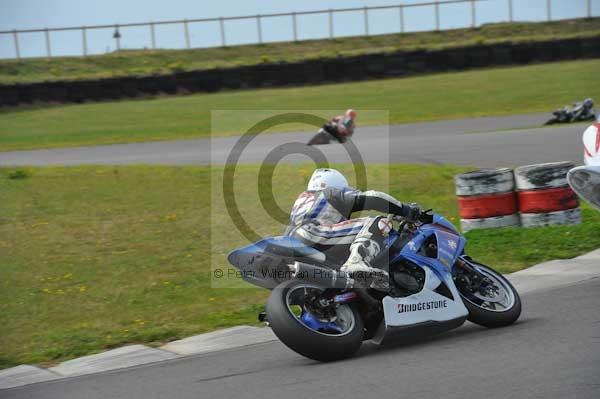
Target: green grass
x: 96, y: 257
x: 146, y: 62
x: 500, y: 91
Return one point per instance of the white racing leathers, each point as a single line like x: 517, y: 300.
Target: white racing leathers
x: 585, y: 180
x: 322, y: 219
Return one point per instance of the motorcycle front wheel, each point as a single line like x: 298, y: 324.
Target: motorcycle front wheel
x: 495, y: 304
x: 334, y: 334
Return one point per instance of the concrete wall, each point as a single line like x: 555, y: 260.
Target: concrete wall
x: 372, y: 66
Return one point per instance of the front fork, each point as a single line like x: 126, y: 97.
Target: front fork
x: 469, y: 278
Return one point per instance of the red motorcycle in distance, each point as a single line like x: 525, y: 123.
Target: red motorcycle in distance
x: 340, y: 128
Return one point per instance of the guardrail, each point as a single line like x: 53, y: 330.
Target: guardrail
x: 436, y: 6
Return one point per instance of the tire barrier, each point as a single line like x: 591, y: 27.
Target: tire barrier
x: 544, y: 195
x: 308, y: 72
x: 486, y: 199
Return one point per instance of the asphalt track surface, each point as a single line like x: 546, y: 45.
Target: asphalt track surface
x: 485, y: 142
x: 551, y: 352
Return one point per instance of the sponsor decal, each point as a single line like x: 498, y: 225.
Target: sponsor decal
x: 416, y: 307
x: 452, y: 244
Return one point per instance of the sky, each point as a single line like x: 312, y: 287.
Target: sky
x: 32, y: 14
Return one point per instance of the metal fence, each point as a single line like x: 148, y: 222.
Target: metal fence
x: 437, y: 8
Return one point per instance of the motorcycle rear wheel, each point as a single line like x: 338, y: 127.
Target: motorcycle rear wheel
x: 499, y: 310
x: 322, y: 344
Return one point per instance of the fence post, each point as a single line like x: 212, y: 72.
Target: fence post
x: 330, y: 24
x: 294, y: 27
x: 473, y: 14
x: 549, y: 7
x: 16, y: 41
x: 117, y: 36
x: 222, y: 25
x: 589, y: 8
x: 48, y: 50
x: 510, y: 11
x: 366, y: 17
x: 437, y: 16
x: 259, y: 29
x: 187, y: 33
x: 153, y: 35
x: 84, y: 40
x: 401, y: 10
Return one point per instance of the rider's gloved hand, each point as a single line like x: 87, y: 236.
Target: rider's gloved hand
x: 425, y: 217
x: 411, y: 212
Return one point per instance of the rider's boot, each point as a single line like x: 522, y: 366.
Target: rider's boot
x: 362, y: 252
x: 366, y: 246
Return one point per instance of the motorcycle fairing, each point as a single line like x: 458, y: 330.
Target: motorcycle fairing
x: 450, y: 245
x: 427, y: 307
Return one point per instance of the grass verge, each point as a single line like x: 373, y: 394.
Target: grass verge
x: 500, y: 91
x: 97, y: 257
x: 153, y: 62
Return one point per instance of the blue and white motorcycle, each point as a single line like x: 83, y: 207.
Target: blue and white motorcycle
x: 424, y: 284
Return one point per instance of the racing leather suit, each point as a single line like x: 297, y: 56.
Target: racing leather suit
x: 321, y: 219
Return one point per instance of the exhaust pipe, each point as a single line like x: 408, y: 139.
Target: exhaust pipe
x: 319, y: 275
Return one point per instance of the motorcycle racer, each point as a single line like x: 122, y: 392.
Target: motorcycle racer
x: 321, y: 215
x: 342, y: 126
x: 591, y: 145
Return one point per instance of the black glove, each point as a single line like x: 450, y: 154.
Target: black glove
x: 411, y: 212
x: 425, y: 217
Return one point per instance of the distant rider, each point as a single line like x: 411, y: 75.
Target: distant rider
x: 342, y: 126
x: 321, y: 215
x: 583, y: 110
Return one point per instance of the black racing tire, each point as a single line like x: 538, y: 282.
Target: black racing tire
x: 305, y: 341
x: 489, y: 318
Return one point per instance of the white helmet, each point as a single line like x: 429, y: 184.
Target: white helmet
x: 591, y: 145
x: 323, y: 178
